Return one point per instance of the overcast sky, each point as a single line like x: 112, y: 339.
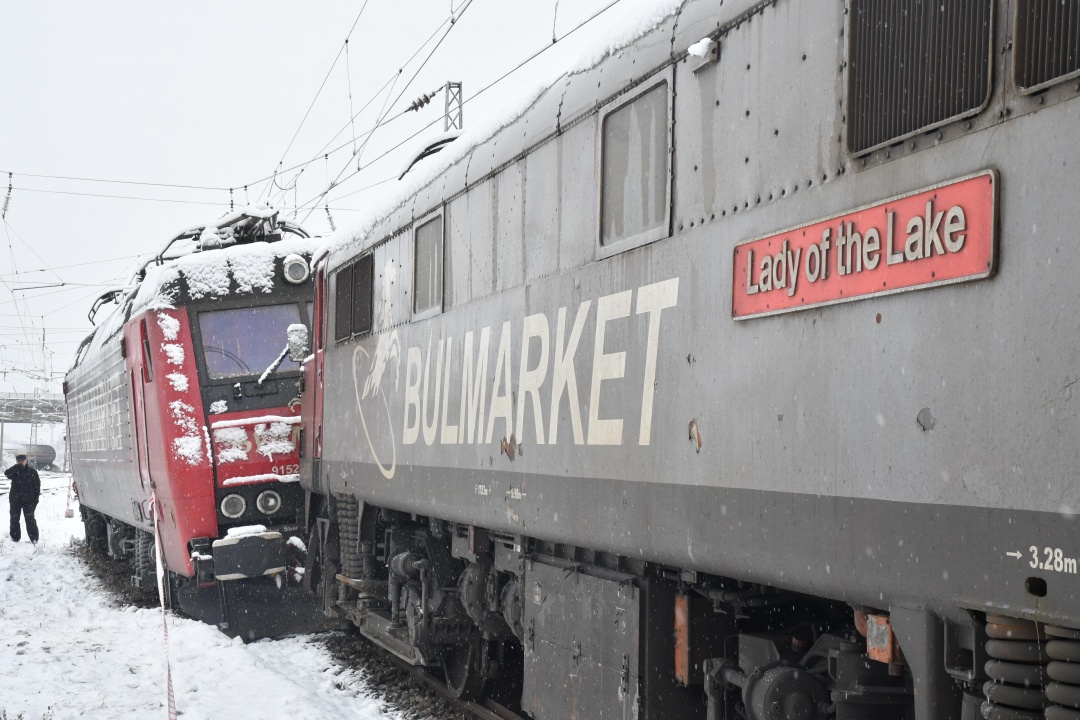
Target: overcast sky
x: 210, y: 95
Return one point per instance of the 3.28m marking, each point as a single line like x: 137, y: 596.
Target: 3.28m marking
x: 1053, y: 559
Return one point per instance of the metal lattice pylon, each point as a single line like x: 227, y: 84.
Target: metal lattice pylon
x: 32, y: 408
x: 453, y: 119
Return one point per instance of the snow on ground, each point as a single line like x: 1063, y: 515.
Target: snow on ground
x: 67, y: 652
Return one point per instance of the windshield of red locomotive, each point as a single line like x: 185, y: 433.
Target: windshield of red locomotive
x: 246, y: 341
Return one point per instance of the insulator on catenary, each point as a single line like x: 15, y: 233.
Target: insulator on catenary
x: 421, y: 101
x: 330, y: 219
x: 7, y: 199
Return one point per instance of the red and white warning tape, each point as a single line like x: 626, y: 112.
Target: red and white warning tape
x: 68, y: 512
x: 155, y: 516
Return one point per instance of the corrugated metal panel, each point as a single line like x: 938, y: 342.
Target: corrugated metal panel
x: 914, y: 65
x: 343, y: 303
x: 362, y: 295
x: 353, y: 299
x: 1046, y: 42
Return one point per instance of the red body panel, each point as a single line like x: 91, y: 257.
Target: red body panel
x: 256, y: 446
x: 172, y: 436
x: 312, y: 407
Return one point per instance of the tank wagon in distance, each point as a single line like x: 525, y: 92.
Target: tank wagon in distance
x: 42, y: 457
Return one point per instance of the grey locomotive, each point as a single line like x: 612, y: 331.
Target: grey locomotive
x: 740, y: 365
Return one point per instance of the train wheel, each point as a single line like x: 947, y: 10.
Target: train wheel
x: 463, y: 669
x: 97, y: 533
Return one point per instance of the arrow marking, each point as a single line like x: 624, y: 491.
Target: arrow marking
x: 1016, y: 555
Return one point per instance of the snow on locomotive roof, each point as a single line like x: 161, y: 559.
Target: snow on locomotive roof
x: 637, y: 19
x: 208, y: 272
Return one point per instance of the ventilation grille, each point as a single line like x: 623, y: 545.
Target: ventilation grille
x: 343, y: 304
x: 363, y: 280
x: 353, y: 299
x: 913, y: 65
x: 1047, y: 42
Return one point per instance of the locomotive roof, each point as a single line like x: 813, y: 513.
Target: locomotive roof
x: 652, y: 33
x: 208, y: 273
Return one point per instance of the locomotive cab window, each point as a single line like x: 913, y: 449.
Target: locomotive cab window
x: 353, y: 299
x: 428, y: 277
x: 245, y: 341
x: 635, y: 173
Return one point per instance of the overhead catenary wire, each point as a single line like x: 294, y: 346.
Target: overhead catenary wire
x: 318, y: 92
x: 124, y: 197
x: 146, y: 199
x: 323, y: 152
x: 474, y: 96
x: 379, y: 122
x: 331, y: 193
x: 78, y: 265
x: 31, y: 249
x: 393, y: 78
x: 14, y: 299
x: 117, y: 182
x: 348, y: 77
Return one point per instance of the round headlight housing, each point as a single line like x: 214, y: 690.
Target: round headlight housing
x: 233, y: 506
x: 296, y: 269
x: 268, y: 502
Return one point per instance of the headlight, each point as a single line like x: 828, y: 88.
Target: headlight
x: 268, y: 502
x: 233, y: 506
x: 295, y: 269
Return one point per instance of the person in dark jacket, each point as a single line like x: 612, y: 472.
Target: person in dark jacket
x: 23, y: 497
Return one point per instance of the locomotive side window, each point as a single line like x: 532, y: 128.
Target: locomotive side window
x: 246, y: 341
x: 343, y: 303
x: 1047, y: 48
x: 635, y: 177
x: 915, y: 65
x: 353, y: 299
x: 362, y: 295
x: 427, y: 283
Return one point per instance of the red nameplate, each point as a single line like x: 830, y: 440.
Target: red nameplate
x: 943, y: 234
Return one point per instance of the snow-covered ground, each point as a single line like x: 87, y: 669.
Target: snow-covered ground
x: 67, y: 652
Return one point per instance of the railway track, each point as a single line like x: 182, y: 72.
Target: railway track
x: 408, y: 688
x: 115, y: 578
x: 486, y: 710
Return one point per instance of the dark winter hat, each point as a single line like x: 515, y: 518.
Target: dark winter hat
x: 20, y: 458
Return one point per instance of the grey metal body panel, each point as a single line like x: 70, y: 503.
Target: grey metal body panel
x: 593, y: 676
x: 873, y: 553
x: 812, y: 472
x: 99, y: 431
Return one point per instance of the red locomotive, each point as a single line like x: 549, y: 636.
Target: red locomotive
x: 185, y: 396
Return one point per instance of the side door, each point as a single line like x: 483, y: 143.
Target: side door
x: 141, y: 373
